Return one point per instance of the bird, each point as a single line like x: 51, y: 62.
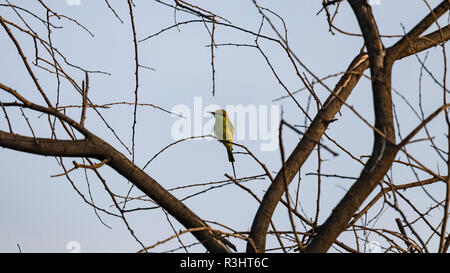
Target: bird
x: 224, y: 130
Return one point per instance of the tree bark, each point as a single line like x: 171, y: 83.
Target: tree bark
x: 382, y: 150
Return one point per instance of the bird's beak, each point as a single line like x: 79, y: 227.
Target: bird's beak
x: 212, y: 113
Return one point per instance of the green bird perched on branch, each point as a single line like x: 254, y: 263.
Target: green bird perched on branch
x: 224, y: 130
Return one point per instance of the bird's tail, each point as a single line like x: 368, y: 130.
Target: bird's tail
x: 229, y: 148
x: 234, y: 171
x: 230, y: 155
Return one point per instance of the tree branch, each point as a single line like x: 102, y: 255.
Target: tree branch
x: 318, y: 127
x: 94, y: 147
x: 384, y: 148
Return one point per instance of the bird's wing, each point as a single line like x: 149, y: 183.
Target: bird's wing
x: 230, y: 125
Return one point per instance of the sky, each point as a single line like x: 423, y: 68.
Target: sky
x: 40, y: 213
